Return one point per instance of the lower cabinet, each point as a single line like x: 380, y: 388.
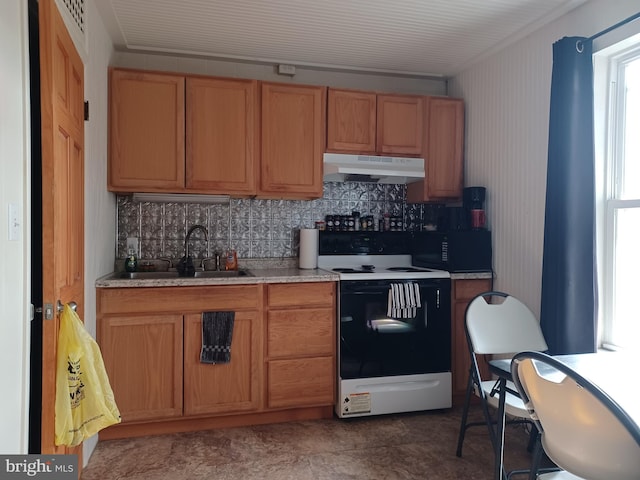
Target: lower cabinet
x: 143, y: 358
x: 223, y: 388
x: 300, y: 344
x: 151, y: 338
x: 282, y: 354
x: 463, y: 291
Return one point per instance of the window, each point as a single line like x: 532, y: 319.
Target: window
x: 620, y: 236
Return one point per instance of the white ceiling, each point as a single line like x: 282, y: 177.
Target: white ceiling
x: 416, y: 37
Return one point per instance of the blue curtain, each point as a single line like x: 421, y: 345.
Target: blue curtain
x: 568, y: 308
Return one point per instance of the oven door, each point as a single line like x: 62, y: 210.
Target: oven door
x: 373, y: 344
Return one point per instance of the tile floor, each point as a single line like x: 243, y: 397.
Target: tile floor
x: 403, y: 446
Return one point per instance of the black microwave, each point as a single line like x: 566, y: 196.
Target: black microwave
x: 454, y: 251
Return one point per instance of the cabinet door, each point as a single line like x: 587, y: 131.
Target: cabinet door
x: 146, y: 132
x: 143, y: 359
x: 351, y: 121
x: 463, y: 293
x: 222, y: 135
x: 444, y: 152
x: 400, y: 124
x: 293, y: 141
x: 221, y: 388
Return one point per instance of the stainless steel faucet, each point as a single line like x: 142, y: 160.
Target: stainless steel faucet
x: 186, y: 240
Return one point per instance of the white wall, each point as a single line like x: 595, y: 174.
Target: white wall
x: 99, y: 213
x: 507, y: 120
x: 304, y: 75
x: 15, y: 188
x: 14, y: 267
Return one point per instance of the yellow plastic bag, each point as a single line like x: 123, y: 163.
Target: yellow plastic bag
x: 84, y: 399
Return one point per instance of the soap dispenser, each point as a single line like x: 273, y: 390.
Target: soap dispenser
x: 131, y: 263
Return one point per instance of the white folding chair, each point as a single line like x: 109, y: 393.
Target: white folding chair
x: 504, y: 327
x: 582, y: 429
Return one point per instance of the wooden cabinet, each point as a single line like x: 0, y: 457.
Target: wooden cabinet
x: 400, y: 125
x: 175, y: 133
x: 151, y: 338
x: 463, y: 291
x: 283, y: 361
x: 222, y: 135
x: 152, y: 148
x: 293, y: 140
x: 370, y: 123
x: 443, y: 152
x: 146, y: 132
x: 351, y: 121
x: 223, y: 388
x: 143, y: 358
x: 300, y: 344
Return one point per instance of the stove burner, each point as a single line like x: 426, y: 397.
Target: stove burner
x: 407, y: 269
x: 350, y: 270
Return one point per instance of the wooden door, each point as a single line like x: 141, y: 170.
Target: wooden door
x: 351, y: 121
x: 293, y: 141
x: 400, y: 125
x: 143, y: 358
x: 62, y: 104
x: 223, y: 388
x: 146, y: 132
x: 222, y: 135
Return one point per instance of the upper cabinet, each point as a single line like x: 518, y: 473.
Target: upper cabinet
x: 178, y: 134
x: 194, y: 134
x: 148, y: 152
x: 293, y: 139
x: 222, y: 135
x: 443, y: 152
x: 351, y: 121
x: 146, y: 148
x: 370, y: 123
x: 399, y: 125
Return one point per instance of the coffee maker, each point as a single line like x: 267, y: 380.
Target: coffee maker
x: 473, y: 204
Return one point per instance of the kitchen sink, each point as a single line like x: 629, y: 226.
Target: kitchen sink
x: 222, y: 273
x: 198, y: 274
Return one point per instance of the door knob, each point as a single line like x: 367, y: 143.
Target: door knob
x: 60, y: 306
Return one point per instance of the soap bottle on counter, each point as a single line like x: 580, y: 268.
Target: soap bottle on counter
x: 131, y: 263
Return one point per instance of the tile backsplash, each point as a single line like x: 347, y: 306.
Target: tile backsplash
x: 254, y: 228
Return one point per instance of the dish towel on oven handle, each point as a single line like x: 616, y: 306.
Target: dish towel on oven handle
x: 404, y: 300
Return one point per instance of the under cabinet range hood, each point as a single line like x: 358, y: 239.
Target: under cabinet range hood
x: 340, y: 167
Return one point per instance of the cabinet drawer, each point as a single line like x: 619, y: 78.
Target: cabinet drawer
x: 301, y: 382
x: 467, y: 289
x: 300, y: 332
x: 178, y: 299
x: 301, y: 294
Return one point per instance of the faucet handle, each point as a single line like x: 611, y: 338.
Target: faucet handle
x: 204, y: 261
x: 168, y: 260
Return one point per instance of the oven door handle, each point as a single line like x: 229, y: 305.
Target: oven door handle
x: 365, y: 290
